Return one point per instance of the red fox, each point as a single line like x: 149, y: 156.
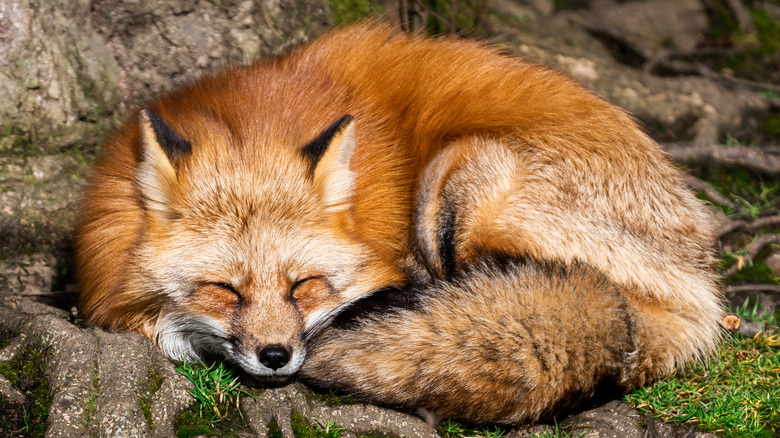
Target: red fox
x: 545, y: 245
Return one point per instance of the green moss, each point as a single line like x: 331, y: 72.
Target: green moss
x: 757, y: 272
x: 91, y: 407
x: 376, y: 435
x: 300, y: 428
x: 23, y: 143
x: 25, y: 373
x: 330, y: 398
x: 153, y: 383
x: 563, y: 5
x: 466, y: 12
x: 772, y: 125
x: 756, y: 61
x: 190, y: 424
x: 350, y: 11
x: 274, y: 431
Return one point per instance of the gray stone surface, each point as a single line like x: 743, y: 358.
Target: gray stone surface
x: 672, y: 108
x: 69, y: 68
x: 359, y: 419
x: 97, y: 379
x: 649, y: 27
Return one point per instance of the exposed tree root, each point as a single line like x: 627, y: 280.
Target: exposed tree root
x: 752, y: 158
x: 752, y: 250
x: 280, y: 404
x: 772, y: 288
x: 95, y: 376
x: 750, y: 226
x: 707, y: 190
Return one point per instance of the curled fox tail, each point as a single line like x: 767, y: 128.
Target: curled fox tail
x: 604, y: 286
x: 504, y: 342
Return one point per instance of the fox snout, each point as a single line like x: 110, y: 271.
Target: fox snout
x: 274, y: 360
x: 274, y: 356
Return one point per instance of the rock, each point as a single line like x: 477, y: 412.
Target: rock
x: 613, y: 420
x: 773, y: 263
x: 98, y: 379
x: 672, y: 108
x: 9, y: 392
x: 359, y: 419
x: 69, y: 68
x: 650, y: 28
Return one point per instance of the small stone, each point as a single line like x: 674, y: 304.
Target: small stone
x: 9, y: 392
x: 773, y: 263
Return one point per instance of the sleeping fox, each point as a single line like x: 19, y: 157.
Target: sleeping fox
x: 514, y: 243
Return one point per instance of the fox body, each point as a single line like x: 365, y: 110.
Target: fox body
x: 548, y: 245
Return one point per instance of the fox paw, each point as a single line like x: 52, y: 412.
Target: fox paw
x: 280, y: 405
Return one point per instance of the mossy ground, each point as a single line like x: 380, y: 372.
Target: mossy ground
x: 330, y: 398
x: 737, y: 394
x: 349, y: 11
x: 25, y: 373
x: 192, y: 424
x: 153, y: 383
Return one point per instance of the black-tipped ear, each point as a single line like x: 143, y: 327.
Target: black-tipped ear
x: 169, y: 140
x: 156, y: 176
x: 329, y: 157
x: 316, y: 148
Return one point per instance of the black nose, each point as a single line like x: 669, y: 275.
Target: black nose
x: 274, y: 356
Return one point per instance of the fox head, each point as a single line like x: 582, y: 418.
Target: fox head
x: 246, y: 248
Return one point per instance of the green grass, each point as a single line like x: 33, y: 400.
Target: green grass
x: 760, y: 201
x: 554, y: 432
x: 736, y: 394
x: 216, y: 411
x: 301, y: 429
x: 215, y: 389
x: 454, y: 429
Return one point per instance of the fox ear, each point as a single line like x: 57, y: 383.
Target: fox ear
x: 329, y: 155
x: 160, y: 145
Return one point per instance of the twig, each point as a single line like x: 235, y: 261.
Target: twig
x: 708, y: 191
x: 772, y: 288
x: 731, y: 226
x: 743, y: 16
x: 453, y: 17
x: 405, y: 16
x: 53, y: 293
x: 664, y: 56
x: 663, y: 60
x: 753, y: 158
x: 266, y: 17
x: 480, y: 13
x: 752, y: 250
x: 438, y: 17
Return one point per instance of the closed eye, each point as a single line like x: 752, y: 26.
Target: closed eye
x: 298, y: 283
x: 230, y: 288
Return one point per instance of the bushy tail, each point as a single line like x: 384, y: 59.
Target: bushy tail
x: 503, y: 342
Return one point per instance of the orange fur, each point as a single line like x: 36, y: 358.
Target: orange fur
x: 245, y: 243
